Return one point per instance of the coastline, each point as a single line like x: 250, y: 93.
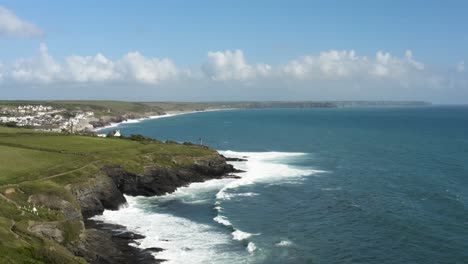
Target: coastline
x: 112, y: 237
x: 165, y: 115
x: 115, y: 243
x: 157, y: 226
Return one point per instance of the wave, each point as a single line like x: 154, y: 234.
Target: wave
x: 331, y: 189
x: 223, y: 220
x: 240, y: 235
x: 251, y: 247
x: 186, y: 241
x: 258, y: 167
x: 237, y: 234
x: 284, y: 243
x: 263, y: 167
x: 197, y: 192
x: 183, y: 240
x: 229, y: 196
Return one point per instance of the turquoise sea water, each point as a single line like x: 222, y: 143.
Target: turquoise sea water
x: 351, y: 185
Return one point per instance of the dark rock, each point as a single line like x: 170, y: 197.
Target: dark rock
x: 232, y: 176
x: 97, y: 195
x: 100, y: 123
x: 103, y: 243
x: 154, y: 249
x: 128, y: 235
x: 235, y: 159
x: 106, y: 247
x: 160, y: 181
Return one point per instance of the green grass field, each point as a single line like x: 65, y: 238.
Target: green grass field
x: 33, y: 163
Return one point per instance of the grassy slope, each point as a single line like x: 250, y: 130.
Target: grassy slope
x: 43, y: 163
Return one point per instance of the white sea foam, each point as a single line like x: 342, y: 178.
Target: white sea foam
x: 195, y: 192
x: 284, y: 243
x: 188, y: 241
x: 251, y: 247
x: 240, y: 235
x: 222, y: 220
x: 184, y: 241
x: 263, y: 167
x: 331, y: 189
x: 259, y: 167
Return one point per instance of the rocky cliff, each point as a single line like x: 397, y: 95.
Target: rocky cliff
x: 107, y: 246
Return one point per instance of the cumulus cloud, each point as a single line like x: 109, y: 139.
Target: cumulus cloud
x: 147, y: 70
x: 228, y: 65
x: 461, y: 66
x: 42, y: 68
x: 386, y: 65
x: 132, y: 67
x: 341, y: 73
x: 335, y: 64
x: 329, y: 64
x: 90, y: 68
x: 13, y: 26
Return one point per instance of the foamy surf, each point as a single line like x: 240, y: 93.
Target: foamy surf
x: 284, y: 243
x: 187, y: 241
x: 251, y: 247
x: 183, y: 240
x: 262, y: 167
x: 259, y: 167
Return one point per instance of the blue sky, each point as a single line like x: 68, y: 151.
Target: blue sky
x: 276, y: 34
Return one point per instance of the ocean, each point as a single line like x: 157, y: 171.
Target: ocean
x: 344, y: 185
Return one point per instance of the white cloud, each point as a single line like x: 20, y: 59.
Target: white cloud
x: 147, y: 70
x: 335, y: 70
x: 461, y: 66
x: 329, y: 64
x: 11, y: 25
x: 386, y: 65
x: 42, y: 68
x: 228, y: 65
x: 89, y: 68
x: 132, y: 67
x: 343, y: 64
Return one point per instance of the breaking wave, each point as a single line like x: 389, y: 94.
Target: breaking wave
x: 188, y: 241
x: 258, y: 167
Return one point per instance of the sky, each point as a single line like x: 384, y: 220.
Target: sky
x: 234, y: 50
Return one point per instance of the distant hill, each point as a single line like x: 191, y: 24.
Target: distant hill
x: 113, y: 108
x: 107, y: 112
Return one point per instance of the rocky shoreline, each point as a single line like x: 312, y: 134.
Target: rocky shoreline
x: 113, y: 242
x: 105, y: 243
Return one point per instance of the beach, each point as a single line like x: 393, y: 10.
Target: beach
x: 150, y: 117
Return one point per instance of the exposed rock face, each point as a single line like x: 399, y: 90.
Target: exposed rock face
x: 70, y: 211
x: 98, y: 195
x: 160, y: 181
x: 235, y: 159
x: 47, y: 229
x: 9, y: 191
x: 104, y: 245
x: 107, y: 246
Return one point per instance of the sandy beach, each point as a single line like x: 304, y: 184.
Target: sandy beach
x: 167, y: 114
